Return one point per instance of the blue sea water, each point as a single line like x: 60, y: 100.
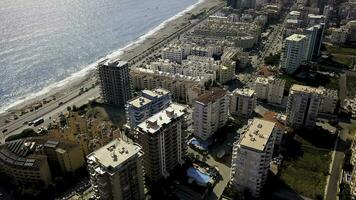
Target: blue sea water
x: 45, y: 41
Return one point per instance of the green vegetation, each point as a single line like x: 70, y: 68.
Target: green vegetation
x: 345, y: 191
x: 351, y: 85
x: 341, y: 55
x: 316, y: 81
x: 29, y: 132
x: 273, y: 59
x: 306, y: 167
x: 289, y: 81
x: 199, y: 15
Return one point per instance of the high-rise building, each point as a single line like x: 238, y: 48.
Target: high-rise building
x: 116, y: 171
x: 252, y: 155
x: 270, y: 89
x: 315, y: 36
x: 293, y: 53
x: 303, y: 106
x: 148, y: 103
x: 244, y: 4
x: 243, y: 102
x: 163, y: 139
x: 114, y: 81
x: 210, y: 112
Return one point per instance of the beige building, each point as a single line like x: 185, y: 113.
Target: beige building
x: 33, y: 160
x: 210, y: 112
x: 270, y: 89
x: 116, y: 171
x: 163, y: 139
x: 243, y: 102
x: 303, y: 106
x: 251, y: 156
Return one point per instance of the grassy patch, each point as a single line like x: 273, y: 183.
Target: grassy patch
x: 351, y: 85
x: 306, y: 171
x: 341, y: 55
x: 29, y: 132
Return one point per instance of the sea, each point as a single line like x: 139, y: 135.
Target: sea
x: 46, y: 44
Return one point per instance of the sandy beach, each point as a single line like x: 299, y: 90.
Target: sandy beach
x: 136, y: 51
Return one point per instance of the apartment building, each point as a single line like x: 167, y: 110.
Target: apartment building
x: 176, y: 52
x: 315, y: 36
x: 210, y: 112
x: 114, y: 79
x: 163, y: 139
x: 294, y: 52
x: 270, y: 89
x: 148, y: 103
x: 116, y: 171
x: 252, y: 155
x: 179, y: 85
x: 89, y: 132
x: 243, y: 102
x: 34, y: 160
x: 303, y: 106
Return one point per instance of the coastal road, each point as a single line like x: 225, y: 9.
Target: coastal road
x: 52, y: 110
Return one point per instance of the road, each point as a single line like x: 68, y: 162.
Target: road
x: 333, y: 181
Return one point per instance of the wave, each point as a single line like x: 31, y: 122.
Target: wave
x: 89, y: 68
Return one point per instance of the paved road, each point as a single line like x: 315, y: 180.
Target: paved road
x: 336, y: 167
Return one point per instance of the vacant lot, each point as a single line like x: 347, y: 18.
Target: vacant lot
x: 305, y: 169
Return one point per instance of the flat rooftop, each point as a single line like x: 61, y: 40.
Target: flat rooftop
x: 245, y: 92
x: 139, y: 102
x: 158, y: 92
x: 305, y: 89
x: 156, y: 122
x: 296, y: 37
x: 114, y: 153
x: 257, y: 134
x: 211, y: 95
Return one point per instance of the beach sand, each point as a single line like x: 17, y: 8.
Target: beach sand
x: 128, y: 53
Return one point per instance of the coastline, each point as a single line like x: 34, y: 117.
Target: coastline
x: 86, y: 76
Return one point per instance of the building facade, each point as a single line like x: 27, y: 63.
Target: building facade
x: 243, y: 102
x: 303, y: 106
x: 252, y: 155
x: 163, y: 139
x: 116, y: 171
x: 210, y: 112
x: 293, y: 52
x: 148, y: 103
x: 114, y: 79
x: 270, y: 89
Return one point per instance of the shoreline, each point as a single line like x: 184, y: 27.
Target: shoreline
x: 86, y: 76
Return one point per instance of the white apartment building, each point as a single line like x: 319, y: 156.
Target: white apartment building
x: 293, y: 53
x: 163, y: 139
x: 147, y: 104
x: 243, y: 102
x: 176, y: 52
x: 303, y: 106
x: 116, y: 171
x: 179, y: 85
x: 252, y: 155
x: 210, y: 112
x: 270, y: 89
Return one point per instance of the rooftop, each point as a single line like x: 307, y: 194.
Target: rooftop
x: 296, y: 37
x: 257, y: 134
x: 211, y: 95
x: 139, y: 102
x: 305, y: 89
x: 158, y: 92
x: 155, y: 122
x: 112, y: 63
x: 244, y: 92
x: 113, y: 154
